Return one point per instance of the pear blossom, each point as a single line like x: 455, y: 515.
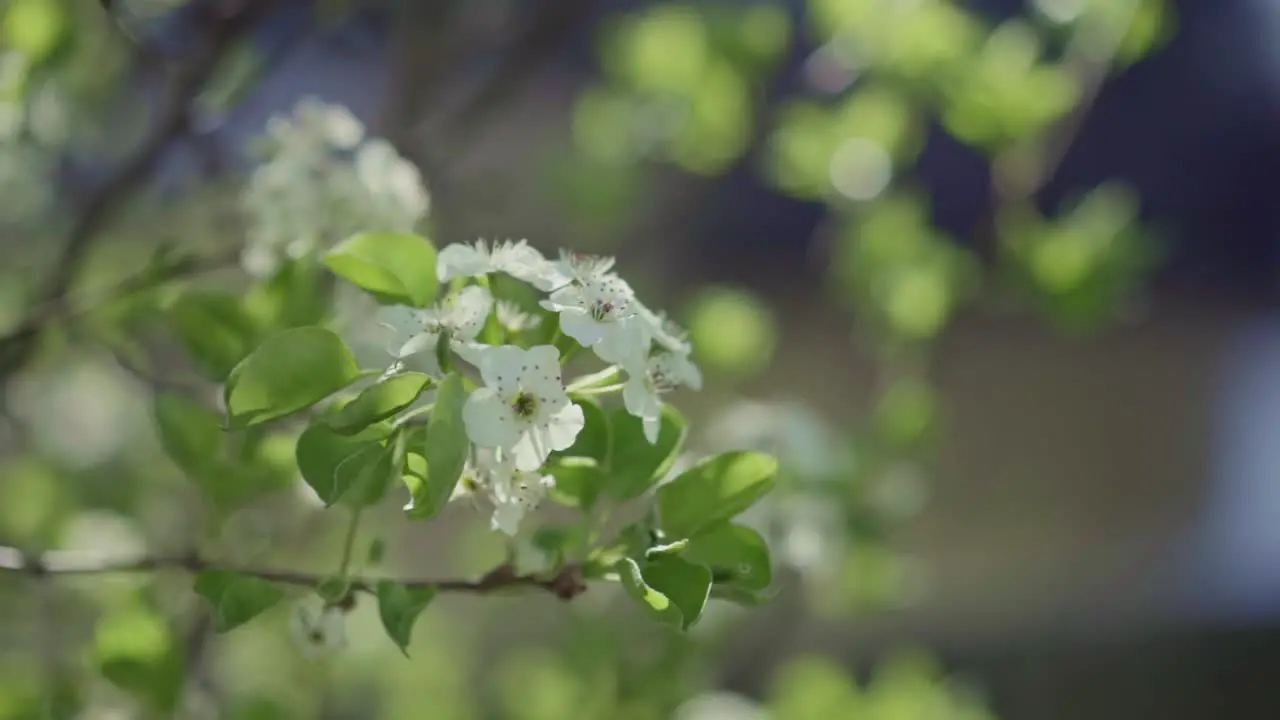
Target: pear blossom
x: 518, y: 259
x: 660, y: 373
x: 417, y: 331
x: 514, y: 493
x: 665, y: 332
x: 318, y: 633
x: 576, y: 268
x: 514, y: 319
x: 600, y: 314
x: 523, y: 408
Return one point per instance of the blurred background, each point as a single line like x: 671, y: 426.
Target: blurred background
x: 995, y: 279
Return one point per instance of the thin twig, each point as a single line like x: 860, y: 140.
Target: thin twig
x: 566, y: 584
x: 226, y: 22
x: 63, y: 308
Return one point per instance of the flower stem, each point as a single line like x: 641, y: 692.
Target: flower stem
x: 602, y: 390
x: 595, y: 378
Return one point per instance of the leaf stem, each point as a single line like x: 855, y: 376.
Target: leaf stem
x: 348, y: 545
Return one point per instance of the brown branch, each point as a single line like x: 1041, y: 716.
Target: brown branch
x: 566, y: 584
x: 62, y: 308
x: 226, y: 22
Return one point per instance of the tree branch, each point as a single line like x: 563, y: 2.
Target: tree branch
x: 226, y: 21
x: 566, y: 584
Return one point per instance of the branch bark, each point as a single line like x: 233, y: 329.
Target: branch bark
x: 566, y: 584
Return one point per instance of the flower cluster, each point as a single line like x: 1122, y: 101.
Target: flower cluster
x: 522, y: 411
x: 322, y: 180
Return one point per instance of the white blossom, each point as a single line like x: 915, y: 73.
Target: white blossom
x: 515, y: 493
x: 600, y: 314
x: 318, y: 633
x: 576, y: 268
x: 416, y: 331
x: 395, y: 186
x: 523, y: 408
x: 518, y: 259
x: 661, y: 373
x: 664, y: 331
x: 514, y: 319
x: 321, y: 181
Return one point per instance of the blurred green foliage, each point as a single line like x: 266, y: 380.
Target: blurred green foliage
x: 689, y: 86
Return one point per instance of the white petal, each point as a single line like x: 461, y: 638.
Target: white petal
x: 507, y: 517
x: 459, y: 260
x: 541, y: 375
x: 566, y: 297
x: 489, y: 421
x: 625, y: 341
x: 688, y: 373
x: 469, y: 312
x: 530, y: 451
x: 420, y: 343
x: 501, y: 367
x: 401, y: 320
x: 578, y: 325
x: 651, y: 428
x: 470, y: 351
x: 562, y: 428
x: 640, y: 400
x: 333, y: 625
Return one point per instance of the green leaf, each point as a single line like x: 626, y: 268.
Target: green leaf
x: 320, y: 451
x: 445, y: 449
x: 290, y: 371
x: 379, y: 402
x: 593, y: 440
x: 215, y: 330
x: 670, y: 589
x: 299, y: 294
x: 737, y: 555
x: 399, y: 607
x: 190, y: 433
x: 560, y: 542
x: 579, y: 481
x: 714, y: 490
x: 635, y: 464
x: 377, y: 551
x: 364, y: 478
x: 236, y: 599
x: 134, y: 649
x: 394, y: 267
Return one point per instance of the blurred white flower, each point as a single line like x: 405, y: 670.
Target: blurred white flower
x: 318, y: 632
x: 322, y: 181
x: 513, y: 319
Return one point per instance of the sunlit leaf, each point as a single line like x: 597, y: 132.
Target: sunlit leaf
x: 290, y: 371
